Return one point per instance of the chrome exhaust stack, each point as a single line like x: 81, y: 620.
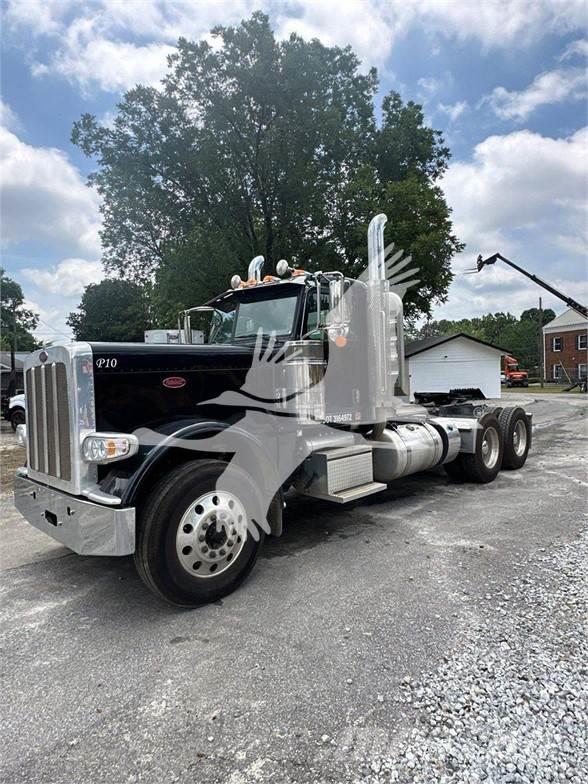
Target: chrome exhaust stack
x: 255, y: 268
x: 385, y: 323
x: 376, y: 260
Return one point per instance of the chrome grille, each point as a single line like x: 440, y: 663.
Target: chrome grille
x: 48, y: 420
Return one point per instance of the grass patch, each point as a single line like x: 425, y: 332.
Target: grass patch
x: 547, y: 389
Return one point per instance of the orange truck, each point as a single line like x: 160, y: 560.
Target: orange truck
x: 512, y: 375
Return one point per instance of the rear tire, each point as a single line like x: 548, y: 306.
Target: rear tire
x: 517, y: 435
x: 173, y: 554
x: 456, y: 470
x: 482, y: 466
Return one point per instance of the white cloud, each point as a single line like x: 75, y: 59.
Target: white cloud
x: 44, y: 197
x: 430, y: 84
x: 115, y: 44
x: 112, y: 65
x: 68, y: 278
x: 8, y: 118
x: 557, y: 86
x: 575, y: 49
x: 523, y: 195
x: 519, y: 181
x: 454, y: 110
x: 369, y: 27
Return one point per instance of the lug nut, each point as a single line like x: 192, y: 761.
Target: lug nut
x: 222, y: 552
x: 201, y: 538
x: 229, y: 543
x: 204, y: 526
x: 212, y: 554
x: 204, y: 549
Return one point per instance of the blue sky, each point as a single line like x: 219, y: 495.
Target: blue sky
x: 505, y: 81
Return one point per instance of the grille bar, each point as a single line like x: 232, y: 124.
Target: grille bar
x: 55, y: 412
x: 48, y: 420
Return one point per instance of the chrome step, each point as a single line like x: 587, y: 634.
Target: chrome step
x: 341, y: 474
x: 352, y: 494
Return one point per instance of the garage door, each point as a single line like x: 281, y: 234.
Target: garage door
x: 459, y: 363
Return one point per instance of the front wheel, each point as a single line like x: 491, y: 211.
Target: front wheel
x: 17, y: 417
x: 196, y: 541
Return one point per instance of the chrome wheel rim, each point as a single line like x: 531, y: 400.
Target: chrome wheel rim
x: 211, y: 534
x: 519, y: 438
x: 490, y: 447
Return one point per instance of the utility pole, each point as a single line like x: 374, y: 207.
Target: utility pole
x: 12, y: 382
x: 541, y: 344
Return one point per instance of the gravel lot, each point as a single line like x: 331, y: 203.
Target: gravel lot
x: 436, y: 633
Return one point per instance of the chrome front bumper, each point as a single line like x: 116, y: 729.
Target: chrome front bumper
x: 85, y: 527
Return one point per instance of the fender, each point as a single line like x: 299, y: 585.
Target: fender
x: 260, y: 465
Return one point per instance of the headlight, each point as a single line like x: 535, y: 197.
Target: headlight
x: 107, y: 447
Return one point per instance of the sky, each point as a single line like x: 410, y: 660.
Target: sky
x: 506, y: 82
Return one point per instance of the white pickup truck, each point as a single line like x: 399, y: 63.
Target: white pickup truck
x: 15, y: 412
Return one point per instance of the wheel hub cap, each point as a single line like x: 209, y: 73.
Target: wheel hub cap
x: 519, y: 438
x: 211, y: 534
x: 490, y: 447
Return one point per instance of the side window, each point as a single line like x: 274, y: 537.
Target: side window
x: 310, y: 314
x: 582, y: 370
x: 582, y: 341
x: 557, y: 371
x: 557, y: 343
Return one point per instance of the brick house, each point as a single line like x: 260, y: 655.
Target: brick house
x: 565, y: 347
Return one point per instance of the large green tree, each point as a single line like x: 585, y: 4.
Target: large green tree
x: 17, y: 323
x: 254, y: 145
x: 111, y: 310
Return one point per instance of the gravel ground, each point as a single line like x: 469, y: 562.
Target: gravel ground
x: 433, y: 633
x: 512, y: 705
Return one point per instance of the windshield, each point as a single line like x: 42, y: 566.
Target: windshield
x: 243, y: 315
x: 269, y: 316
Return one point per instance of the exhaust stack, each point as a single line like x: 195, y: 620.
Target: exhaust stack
x: 255, y: 268
x: 385, y: 315
x: 376, y: 260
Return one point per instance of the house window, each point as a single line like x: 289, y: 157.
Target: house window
x: 582, y: 342
x: 557, y: 371
x: 556, y: 344
x: 582, y: 370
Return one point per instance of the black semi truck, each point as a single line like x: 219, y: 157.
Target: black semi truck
x: 183, y: 455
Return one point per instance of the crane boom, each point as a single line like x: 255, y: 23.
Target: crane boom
x: 571, y: 303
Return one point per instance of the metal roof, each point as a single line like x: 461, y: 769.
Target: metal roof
x: 418, y: 346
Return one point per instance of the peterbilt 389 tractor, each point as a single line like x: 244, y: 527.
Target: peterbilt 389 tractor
x: 185, y: 455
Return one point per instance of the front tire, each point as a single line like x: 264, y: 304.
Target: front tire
x: 17, y: 417
x: 195, y: 541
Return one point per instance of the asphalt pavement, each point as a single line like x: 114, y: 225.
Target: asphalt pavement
x: 301, y: 675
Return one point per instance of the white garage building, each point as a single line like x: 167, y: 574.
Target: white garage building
x: 453, y: 362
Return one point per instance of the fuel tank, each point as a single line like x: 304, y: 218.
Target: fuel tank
x: 412, y: 447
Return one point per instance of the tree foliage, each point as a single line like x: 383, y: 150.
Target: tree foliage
x: 254, y: 145
x: 115, y: 310
x: 17, y: 321
x: 520, y: 337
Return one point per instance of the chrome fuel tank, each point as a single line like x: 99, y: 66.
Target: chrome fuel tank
x: 409, y: 448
